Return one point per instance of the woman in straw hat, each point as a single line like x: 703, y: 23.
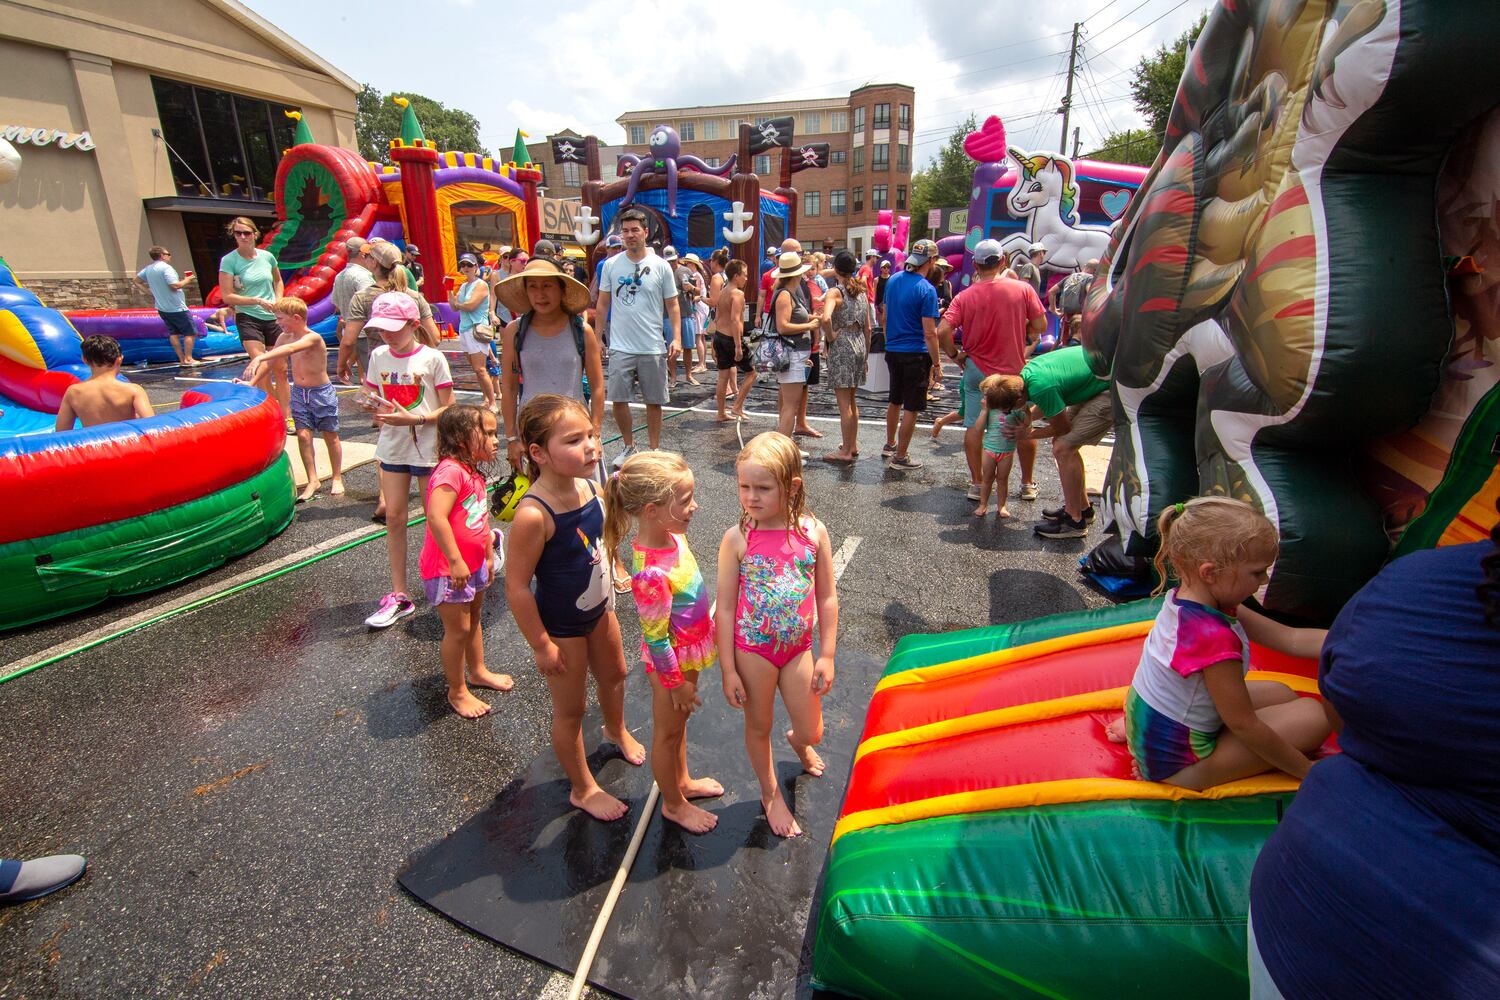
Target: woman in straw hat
x: 556, y: 351
x: 791, y: 313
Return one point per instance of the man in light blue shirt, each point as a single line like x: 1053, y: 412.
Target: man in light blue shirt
x: 636, y: 289
x: 166, y: 288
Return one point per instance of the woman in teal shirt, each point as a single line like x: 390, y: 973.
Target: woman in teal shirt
x: 250, y: 283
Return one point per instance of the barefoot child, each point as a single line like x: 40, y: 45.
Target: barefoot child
x: 102, y: 398
x: 315, y: 404
x: 1000, y: 404
x: 655, y: 489
x: 774, y: 566
x: 557, y: 538
x: 459, y: 559
x: 1191, y: 718
x: 407, y: 387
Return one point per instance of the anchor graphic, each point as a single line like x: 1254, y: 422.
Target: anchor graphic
x: 583, y: 227
x: 739, y: 233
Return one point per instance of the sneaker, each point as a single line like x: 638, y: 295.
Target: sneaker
x: 1063, y: 527
x: 806, y: 457
x: 1028, y: 491
x: 393, y: 607
x: 888, y: 451
x: 905, y: 462
x: 1056, y: 513
x: 30, y: 879
x: 291, y: 426
x: 621, y: 457
x: 973, y: 493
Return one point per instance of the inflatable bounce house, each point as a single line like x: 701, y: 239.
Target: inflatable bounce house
x: 447, y: 203
x: 1298, y: 309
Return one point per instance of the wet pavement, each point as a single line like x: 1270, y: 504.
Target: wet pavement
x: 247, y: 778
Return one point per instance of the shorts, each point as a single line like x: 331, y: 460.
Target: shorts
x: 796, y: 372
x: 970, y: 399
x: 1160, y: 745
x: 815, y: 369
x: 724, y: 354
x: 470, y: 344
x: 179, y: 324
x: 262, y: 331
x: 315, y: 408
x: 910, y: 372
x: 628, y: 370
x: 1091, y: 421
x: 689, y: 330
x: 440, y: 590
x: 420, y: 471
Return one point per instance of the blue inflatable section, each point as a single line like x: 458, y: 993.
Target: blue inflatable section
x: 685, y: 225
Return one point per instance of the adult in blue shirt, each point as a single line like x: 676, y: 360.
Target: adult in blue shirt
x: 171, y: 305
x: 909, y: 314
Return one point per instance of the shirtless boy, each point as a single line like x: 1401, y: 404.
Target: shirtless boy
x: 315, y: 404
x: 103, y: 399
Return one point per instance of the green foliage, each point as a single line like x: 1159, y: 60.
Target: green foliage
x: 377, y: 121
x: 1134, y: 145
x: 1152, y: 91
x: 945, y: 182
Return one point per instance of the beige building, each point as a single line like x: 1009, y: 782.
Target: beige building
x: 183, y: 104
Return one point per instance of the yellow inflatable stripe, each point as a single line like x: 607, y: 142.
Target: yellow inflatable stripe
x: 1045, y: 793
x: 1015, y: 654
x: 17, y: 343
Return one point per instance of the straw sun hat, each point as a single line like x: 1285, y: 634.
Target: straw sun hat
x: 512, y: 291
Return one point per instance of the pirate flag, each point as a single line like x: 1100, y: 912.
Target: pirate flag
x: 774, y: 133
x: 567, y: 150
x: 809, y: 156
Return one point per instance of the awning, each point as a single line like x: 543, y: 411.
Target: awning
x: 210, y: 206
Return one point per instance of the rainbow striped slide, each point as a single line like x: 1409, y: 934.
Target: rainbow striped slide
x: 994, y: 843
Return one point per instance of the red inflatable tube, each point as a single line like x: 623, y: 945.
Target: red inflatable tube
x: 63, y: 489
x: 36, y: 388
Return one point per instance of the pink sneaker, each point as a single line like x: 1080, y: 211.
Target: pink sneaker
x: 393, y: 607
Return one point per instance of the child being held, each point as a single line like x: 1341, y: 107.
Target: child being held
x: 103, y: 398
x: 315, y: 404
x: 1001, y: 404
x: 1191, y: 718
x: 655, y: 490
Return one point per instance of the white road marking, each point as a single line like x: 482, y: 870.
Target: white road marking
x: 843, y: 555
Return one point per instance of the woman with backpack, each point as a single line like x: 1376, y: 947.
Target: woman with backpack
x: 547, y: 348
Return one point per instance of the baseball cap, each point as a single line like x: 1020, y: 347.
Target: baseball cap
x: 354, y: 244
x: 613, y: 241
x: 468, y: 258
x: 988, y: 252
x: 921, y: 252
x: 506, y: 251
x: 871, y: 253
x: 385, y: 254
x: 413, y: 249
x: 391, y: 311
x: 1035, y: 247
x: 544, y: 248
x: 669, y: 252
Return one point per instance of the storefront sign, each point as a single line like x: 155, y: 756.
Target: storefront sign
x: 558, y: 216
x: 21, y: 135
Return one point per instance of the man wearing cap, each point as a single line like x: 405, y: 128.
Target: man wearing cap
x: 636, y: 289
x: 687, y: 298
x: 1030, y: 269
x: 911, y: 313
x: 997, y: 318
x: 355, y: 274
x: 866, y: 272
x: 546, y: 250
x: 412, y: 265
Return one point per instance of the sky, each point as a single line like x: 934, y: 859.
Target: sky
x: 544, y: 67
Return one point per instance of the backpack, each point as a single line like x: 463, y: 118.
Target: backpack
x: 1075, y: 287
x: 575, y: 323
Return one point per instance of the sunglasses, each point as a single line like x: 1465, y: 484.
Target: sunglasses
x: 243, y: 232
x: 463, y: 266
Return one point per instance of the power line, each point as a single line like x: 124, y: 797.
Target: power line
x: 1143, y: 27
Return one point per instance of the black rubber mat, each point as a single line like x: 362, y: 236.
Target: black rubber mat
x: 725, y: 914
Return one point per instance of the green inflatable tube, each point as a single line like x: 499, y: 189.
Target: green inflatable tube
x: 60, y: 574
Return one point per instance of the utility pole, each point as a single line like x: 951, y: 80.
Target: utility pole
x: 1076, y: 130
x: 1067, y: 104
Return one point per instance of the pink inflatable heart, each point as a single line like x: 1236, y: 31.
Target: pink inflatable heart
x: 988, y: 144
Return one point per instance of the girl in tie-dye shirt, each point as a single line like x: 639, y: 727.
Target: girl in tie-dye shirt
x: 654, y: 489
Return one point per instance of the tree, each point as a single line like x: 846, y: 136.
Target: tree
x: 377, y: 121
x: 945, y: 182
x: 1153, y: 90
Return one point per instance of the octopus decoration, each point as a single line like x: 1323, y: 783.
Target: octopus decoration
x: 1256, y: 334
x: 665, y: 158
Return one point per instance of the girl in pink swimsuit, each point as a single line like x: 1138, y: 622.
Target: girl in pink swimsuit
x: 776, y: 570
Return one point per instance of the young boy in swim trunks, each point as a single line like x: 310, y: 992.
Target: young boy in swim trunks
x: 104, y: 398
x: 315, y: 404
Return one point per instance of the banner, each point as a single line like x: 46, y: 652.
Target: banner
x: 557, y: 215
x: 810, y: 156
x: 775, y: 133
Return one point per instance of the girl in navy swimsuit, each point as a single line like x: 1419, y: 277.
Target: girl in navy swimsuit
x: 568, y: 617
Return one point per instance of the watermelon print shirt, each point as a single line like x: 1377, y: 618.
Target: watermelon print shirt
x: 411, y: 381
x: 1185, y: 638
x: 677, y: 630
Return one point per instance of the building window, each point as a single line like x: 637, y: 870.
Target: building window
x: 224, y: 145
x: 572, y: 175
x: 900, y: 196
x: 761, y: 120
x: 763, y: 163
x: 859, y: 159
x: 903, y: 154
x: 859, y: 199
x: 906, y: 116
x: 880, y: 156
x: 859, y: 120
x: 879, y: 197
x: 812, y: 203
x: 859, y: 246
x: 712, y: 161
x: 882, y: 116
x: 838, y: 121
x: 836, y: 202
x: 687, y: 131
x: 812, y: 124
x: 711, y: 128
x: 637, y: 135
x: 839, y: 156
